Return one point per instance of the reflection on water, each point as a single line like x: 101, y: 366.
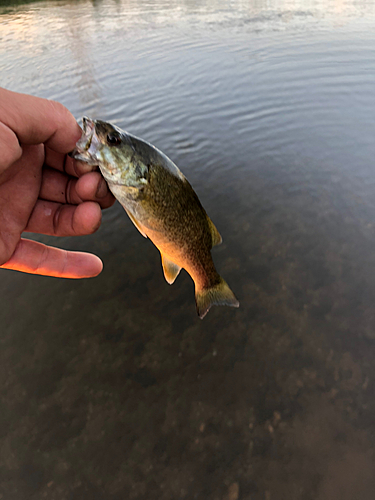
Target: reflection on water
x: 112, y: 388
x: 87, y: 85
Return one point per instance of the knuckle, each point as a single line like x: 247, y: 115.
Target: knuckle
x: 56, y: 220
x: 60, y: 112
x: 11, y: 150
x: 69, y: 191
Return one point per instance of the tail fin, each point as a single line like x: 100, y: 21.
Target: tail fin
x: 219, y: 295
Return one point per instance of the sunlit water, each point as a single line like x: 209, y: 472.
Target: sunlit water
x: 112, y: 388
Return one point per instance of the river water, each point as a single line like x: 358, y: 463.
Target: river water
x: 112, y: 388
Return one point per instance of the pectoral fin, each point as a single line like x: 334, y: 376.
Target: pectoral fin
x: 136, y: 223
x: 216, y: 238
x: 170, y: 269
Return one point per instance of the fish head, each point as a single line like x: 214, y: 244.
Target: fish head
x: 111, y: 148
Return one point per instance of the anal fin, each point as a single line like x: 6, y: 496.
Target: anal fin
x: 171, y: 270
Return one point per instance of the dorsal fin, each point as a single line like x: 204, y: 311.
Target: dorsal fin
x: 170, y: 269
x: 136, y: 223
x: 216, y: 238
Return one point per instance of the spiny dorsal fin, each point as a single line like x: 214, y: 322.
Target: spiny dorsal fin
x: 216, y: 238
x: 136, y: 223
x: 219, y: 295
x: 170, y: 269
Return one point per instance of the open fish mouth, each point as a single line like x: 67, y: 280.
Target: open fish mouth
x: 82, y: 150
x: 88, y: 127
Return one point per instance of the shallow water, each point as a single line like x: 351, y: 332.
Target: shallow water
x: 112, y: 388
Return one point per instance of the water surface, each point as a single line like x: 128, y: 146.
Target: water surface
x: 112, y: 388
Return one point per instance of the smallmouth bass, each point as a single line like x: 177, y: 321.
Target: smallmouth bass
x: 162, y: 205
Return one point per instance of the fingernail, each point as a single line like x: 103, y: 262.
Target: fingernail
x: 102, y: 190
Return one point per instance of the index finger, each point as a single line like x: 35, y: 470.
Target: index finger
x: 66, y: 164
x: 35, y: 120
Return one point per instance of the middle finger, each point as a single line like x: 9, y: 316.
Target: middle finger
x: 62, y: 188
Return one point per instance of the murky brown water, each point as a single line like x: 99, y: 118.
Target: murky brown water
x: 112, y: 388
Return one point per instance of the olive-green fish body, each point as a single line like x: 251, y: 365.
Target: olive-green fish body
x: 162, y: 204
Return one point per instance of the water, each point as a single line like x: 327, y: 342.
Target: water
x: 112, y: 388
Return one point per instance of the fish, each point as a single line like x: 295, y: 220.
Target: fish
x: 161, y: 204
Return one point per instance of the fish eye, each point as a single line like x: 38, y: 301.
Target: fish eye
x: 113, y: 139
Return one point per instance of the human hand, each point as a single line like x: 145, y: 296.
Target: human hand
x: 42, y: 190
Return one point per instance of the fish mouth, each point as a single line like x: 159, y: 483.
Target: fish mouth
x: 88, y: 127
x: 82, y: 150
